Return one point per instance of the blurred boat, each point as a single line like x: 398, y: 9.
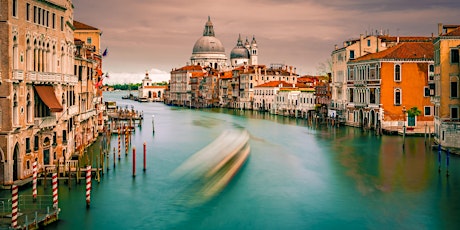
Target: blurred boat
x: 213, y: 167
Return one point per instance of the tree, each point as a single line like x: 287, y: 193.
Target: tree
x: 324, y: 68
x: 413, y: 112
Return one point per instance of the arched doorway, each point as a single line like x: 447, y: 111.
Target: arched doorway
x: 360, y: 118
x: 15, y: 162
x: 150, y: 94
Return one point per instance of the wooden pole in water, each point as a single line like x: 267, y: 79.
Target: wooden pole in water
x: 114, y: 164
x: 404, y: 136
x: 145, y: 159
x: 153, y: 123
x: 119, y: 143
x: 425, y: 132
x: 134, y: 161
x: 447, y: 163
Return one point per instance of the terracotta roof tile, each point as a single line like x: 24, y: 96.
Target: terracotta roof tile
x: 81, y: 26
x: 275, y: 84
x: 455, y: 32
x: 405, y: 50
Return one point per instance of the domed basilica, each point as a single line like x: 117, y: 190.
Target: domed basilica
x: 209, y: 51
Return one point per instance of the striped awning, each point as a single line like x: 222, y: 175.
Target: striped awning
x: 46, y: 94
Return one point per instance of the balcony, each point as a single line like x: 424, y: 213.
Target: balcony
x: 48, y: 77
x: 18, y: 75
x: 45, y: 122
x: 72, y: 110
x: 88, y: 114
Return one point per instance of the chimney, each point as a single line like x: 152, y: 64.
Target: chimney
x: 336, y: 47
x: 439, y: 28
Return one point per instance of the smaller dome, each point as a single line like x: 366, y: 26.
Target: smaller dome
x: 239, y: 52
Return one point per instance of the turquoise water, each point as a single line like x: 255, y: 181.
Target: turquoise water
x: 297, y: 177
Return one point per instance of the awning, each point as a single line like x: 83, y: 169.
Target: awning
x: 46, y: 93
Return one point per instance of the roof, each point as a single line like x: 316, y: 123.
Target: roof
x: 455, y: 32
x: 189, y: 67
x: 387, y: 38
x: 82, y: 26
x: 226, y: 75
x: 275, y: 84
x: 405, y: 50
x: 155, y: 87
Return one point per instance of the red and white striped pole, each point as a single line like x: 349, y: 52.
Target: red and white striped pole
x: 88, y: 185
x: 14, y: 206
x: 34, y: 182
x: 55, y: 191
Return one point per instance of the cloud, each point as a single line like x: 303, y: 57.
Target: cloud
x: 123, y: 78
x: 161, y: 33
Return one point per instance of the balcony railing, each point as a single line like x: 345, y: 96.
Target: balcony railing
x: 73, y: 110
x: 44, y: 122
x: 86, y: 115
x: 33, y: 76
x: 18, y: 75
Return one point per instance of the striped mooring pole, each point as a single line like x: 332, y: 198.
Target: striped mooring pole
x: 119, y: 143
x: 14, y: 206
x: 55, y: 191
x: 34, y: 180
x: 88, y: 185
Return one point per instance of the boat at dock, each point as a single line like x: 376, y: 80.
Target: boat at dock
x: 212, y: 168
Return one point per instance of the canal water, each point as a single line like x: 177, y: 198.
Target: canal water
x: 296, y: 177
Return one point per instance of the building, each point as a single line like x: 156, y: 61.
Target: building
x: 149, y: 91
x: 180, y: 85
x: 90, y: 37
x: 246, y: 54
x: 445, y: 84
x: 208, y: 50
x: 353, y: 49
x: 265, y: 94
x: 382, y: 87
x: 37, y: 83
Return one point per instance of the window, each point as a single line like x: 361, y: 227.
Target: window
x: 454, y: 112
x: 426, y: 91
x: 53, y: 20
x: 15, y: 8
x: 368, y: 42
x: 35, y: 14
x: 352, y: 54
x: 28, y: 11
x: 62, y: 23
x: 28, y: 150
x: 35, y: 142
x: 454, y: 56
x: 88, y: 40
x: 454, y: 87
x: 428, y: 110
x: 397, y: 96
x: 431, y: 73
x: 397, y: 72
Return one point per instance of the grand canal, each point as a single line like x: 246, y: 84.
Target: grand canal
x: 297, y: 177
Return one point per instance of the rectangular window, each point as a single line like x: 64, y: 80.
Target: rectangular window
x: 368, y: 43
x: 35, y: 14
x: 88, y: 40
x: 453, y: 89
x: 28, y: 11
x: 426, y: 91
x: 15, y: 8
x: 352, y: 54
x: 36, y: 143
x: 454, y: 112
x: 47, y: 19
x: 454, y: 56
x: 428, y: 111
x: 54, y: 20
x: 62, y: 23
x: 28, y: 150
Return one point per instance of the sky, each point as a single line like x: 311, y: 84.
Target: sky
x: 157, y: 36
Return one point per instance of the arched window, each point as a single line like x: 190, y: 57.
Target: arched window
x: 15, y: 110
x: 397, y: 96
x: 29, y: 109
x: 397, y: 72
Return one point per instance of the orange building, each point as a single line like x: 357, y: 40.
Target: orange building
x: 384, y: 86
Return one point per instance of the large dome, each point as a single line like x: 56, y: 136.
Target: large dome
x: 239, y: 52
x: 208, y: 44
